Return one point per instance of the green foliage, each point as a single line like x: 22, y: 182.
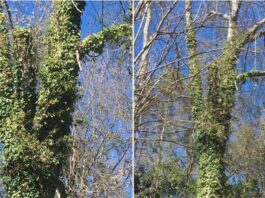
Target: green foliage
x: 244, y: 76
x: 28, y: 163
x: 167, y: 179
x: 117, y: 34
x: 24, y: 74
x: 31, y: 160
x: 35, y: 121
x: 210, y: 145
x: 214, y: 114
x: 211, y: 177
x: 6, y: 86
x: 214, y: 128
x: 58, y: 78
x: 195, y: 72
x: 245, y: 189
x: 59, y: 73
x: 246, y: 156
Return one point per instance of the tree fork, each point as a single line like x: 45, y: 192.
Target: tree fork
x: 214, y: 114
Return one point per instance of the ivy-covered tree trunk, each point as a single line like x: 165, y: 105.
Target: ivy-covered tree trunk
x: 213, y: 114
x: 34, y: 129
x: 210, y: 147
x: 214, y: 126
x: 36, y: 101
x: 58, y: 78
x: 5, y: 70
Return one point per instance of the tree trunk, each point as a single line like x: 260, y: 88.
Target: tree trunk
x: 58, y: 85
x: 34, y: 130
x: 211, y: 177
x: 213, y: 115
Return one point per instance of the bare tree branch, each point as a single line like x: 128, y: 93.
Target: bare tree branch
x: 232, y: 24
x: 215, y: 13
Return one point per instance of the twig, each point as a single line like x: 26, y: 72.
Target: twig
x: 78, y: 60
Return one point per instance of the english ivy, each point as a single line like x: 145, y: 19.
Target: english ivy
x: 35, y: 120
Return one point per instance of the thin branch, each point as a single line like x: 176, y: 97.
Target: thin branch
x: 138, y: 9
x: 10, y: 21
x: 78, y: 60
x: 256, y: 26
x: 214, y: 13
x: 76, y: 7
x: 153, y: 38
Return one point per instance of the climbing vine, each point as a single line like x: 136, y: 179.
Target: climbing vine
x: 215, y: 123
x: 6, y: 87
x: 37, y: 100
x: 253, y: 73
x: 117, y: 34
x: 58, y: 77
x: 213, y: 114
